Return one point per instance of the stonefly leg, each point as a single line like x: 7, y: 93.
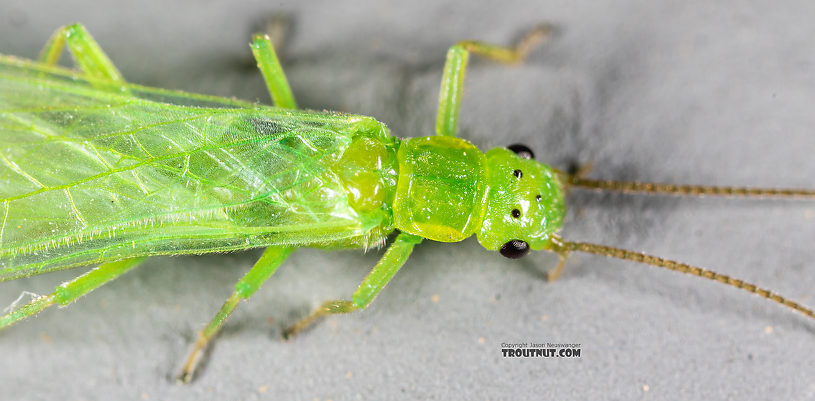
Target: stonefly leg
x: 70, y: 291
x: 88, y: 55
x: 268, y: 263
x: 455, y: 67
x: 393, y: 259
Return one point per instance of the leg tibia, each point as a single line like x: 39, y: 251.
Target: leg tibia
x: 70, y: 291
x: 268, y: 263
x: 394, y: 258
x: 452, y: 81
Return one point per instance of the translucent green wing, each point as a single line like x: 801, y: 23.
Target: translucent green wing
x: 90, y: 175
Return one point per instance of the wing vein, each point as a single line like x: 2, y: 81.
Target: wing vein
x: 73, y: 206
x: 5, y: 219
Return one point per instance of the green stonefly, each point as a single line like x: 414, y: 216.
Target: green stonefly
x: 96, y: 170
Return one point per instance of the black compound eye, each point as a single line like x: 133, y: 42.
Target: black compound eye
x: 515, y: 249
x: 522, y: 151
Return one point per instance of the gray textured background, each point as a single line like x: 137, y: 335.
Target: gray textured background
x: 676, y: 91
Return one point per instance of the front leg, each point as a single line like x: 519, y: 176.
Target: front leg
x: 452, y: 80
x: 396, y: 256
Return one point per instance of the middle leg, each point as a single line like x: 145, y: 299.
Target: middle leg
x: 269, y: 65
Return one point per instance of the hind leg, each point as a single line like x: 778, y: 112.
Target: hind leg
x: 268, y: 263
x: 70, y: 291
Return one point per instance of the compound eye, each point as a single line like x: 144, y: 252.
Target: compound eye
x: 515, y: 249
x: 522, y: 151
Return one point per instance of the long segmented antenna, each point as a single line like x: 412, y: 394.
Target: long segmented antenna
x: 563, y: 248
x: 692, y: 190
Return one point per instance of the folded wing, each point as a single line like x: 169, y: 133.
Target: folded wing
x: 89, y: 174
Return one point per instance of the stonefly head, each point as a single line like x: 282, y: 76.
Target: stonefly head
x: 525, y: 202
